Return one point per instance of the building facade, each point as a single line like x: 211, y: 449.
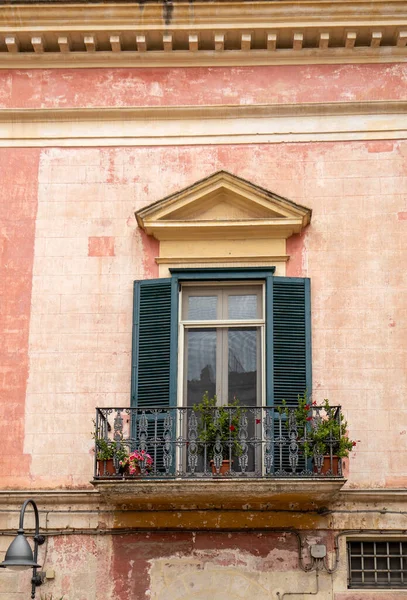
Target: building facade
x: 245, y: 164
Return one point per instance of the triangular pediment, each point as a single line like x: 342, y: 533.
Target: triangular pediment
x: 223, y: 205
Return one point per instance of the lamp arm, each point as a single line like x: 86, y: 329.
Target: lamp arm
x: 38, y: 540
x: 37, y: 518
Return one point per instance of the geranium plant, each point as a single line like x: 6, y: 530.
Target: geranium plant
x: 137, y: 461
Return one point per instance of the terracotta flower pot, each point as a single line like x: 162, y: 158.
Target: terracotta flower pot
x: 106, y: 467
x: 224, y: 468
x: 329, y: 468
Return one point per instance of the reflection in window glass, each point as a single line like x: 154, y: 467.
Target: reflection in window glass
x: 242, y: 365
x: 201, y: 364
x: 242, y: 307
x: 202, y: 308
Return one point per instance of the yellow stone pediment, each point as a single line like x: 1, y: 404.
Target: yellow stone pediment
x: 223, y: 206
x: 223, y: 220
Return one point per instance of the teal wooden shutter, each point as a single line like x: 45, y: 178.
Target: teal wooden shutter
x: 291, y: 339
x: 152, y: 335
x: 291, y: 349
x: 153, y: 358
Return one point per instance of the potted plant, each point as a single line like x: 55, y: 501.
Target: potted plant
x: 330, y: 440
x: 325, y: 433
x: 108, y: 455
x: 218, y: 432
x: 137, y: 463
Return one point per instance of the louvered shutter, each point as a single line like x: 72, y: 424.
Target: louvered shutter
x: 291, y: 331
x: 152, y: 362
x: 151, y: 365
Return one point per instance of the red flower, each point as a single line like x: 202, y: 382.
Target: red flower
x: 307, y: 407
x: 308, y: 419
x: 258, y: 421
x: 232, y: 428
x: 314, y: 403
x: 353, y: 443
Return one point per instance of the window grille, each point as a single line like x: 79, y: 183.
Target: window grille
x: 377, y: 564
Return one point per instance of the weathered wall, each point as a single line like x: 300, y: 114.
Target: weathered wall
x: 185, y: 566
x: 200, y: 86
x: 176, y: 566
x: 88, y: 251
x: 18, y: 210
x: 70, y: 253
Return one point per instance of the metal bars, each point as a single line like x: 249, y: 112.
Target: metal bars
x: 377, y: 564
x: 256, y: 442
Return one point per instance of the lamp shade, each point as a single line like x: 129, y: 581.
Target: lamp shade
x: 19, y: 554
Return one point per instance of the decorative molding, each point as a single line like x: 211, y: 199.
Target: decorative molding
x: 223, y: 206
x: 222, y: 220
x: 192, y: 125
x: 178, y: 260
x: 64, y: 34
x: 215, y: 111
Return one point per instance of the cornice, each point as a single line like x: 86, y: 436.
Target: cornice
x: 63, y: 34
x: 215, y: 111
x: 192, y: 125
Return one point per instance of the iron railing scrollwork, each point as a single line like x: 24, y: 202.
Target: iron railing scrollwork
x: 267, y: 442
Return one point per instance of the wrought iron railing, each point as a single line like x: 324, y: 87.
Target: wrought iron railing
x: 257, y: 442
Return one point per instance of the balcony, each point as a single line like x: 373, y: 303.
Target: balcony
x: 267, y: 455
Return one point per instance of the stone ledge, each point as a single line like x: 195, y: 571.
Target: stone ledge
x: 232, y: 494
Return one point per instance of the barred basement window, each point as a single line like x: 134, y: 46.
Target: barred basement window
x: 377, y: 564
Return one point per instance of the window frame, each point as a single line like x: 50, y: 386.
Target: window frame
x: 219, y: 288
x: 216, y: 275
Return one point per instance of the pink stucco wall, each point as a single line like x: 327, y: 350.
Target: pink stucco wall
x: 18, y: 209
x: 198, y: 86
x: 88, y: 250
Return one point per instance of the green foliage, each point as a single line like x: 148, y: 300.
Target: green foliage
x: 107, y: 449
x: 330, y: 427
x: 323, y: 427
x: 226, y: 430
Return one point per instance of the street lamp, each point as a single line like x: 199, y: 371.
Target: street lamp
x: 19, y: 555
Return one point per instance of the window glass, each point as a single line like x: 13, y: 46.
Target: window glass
x: 243, y: 365
x: 242, y: 307
x: 224, y: 360
x: 201, y: 363
x: 202, y: 308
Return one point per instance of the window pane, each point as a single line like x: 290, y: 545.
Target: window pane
x: 202, y: 308
x: 243, y: 307
x: 243, y: 355
x: 201, y: 364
